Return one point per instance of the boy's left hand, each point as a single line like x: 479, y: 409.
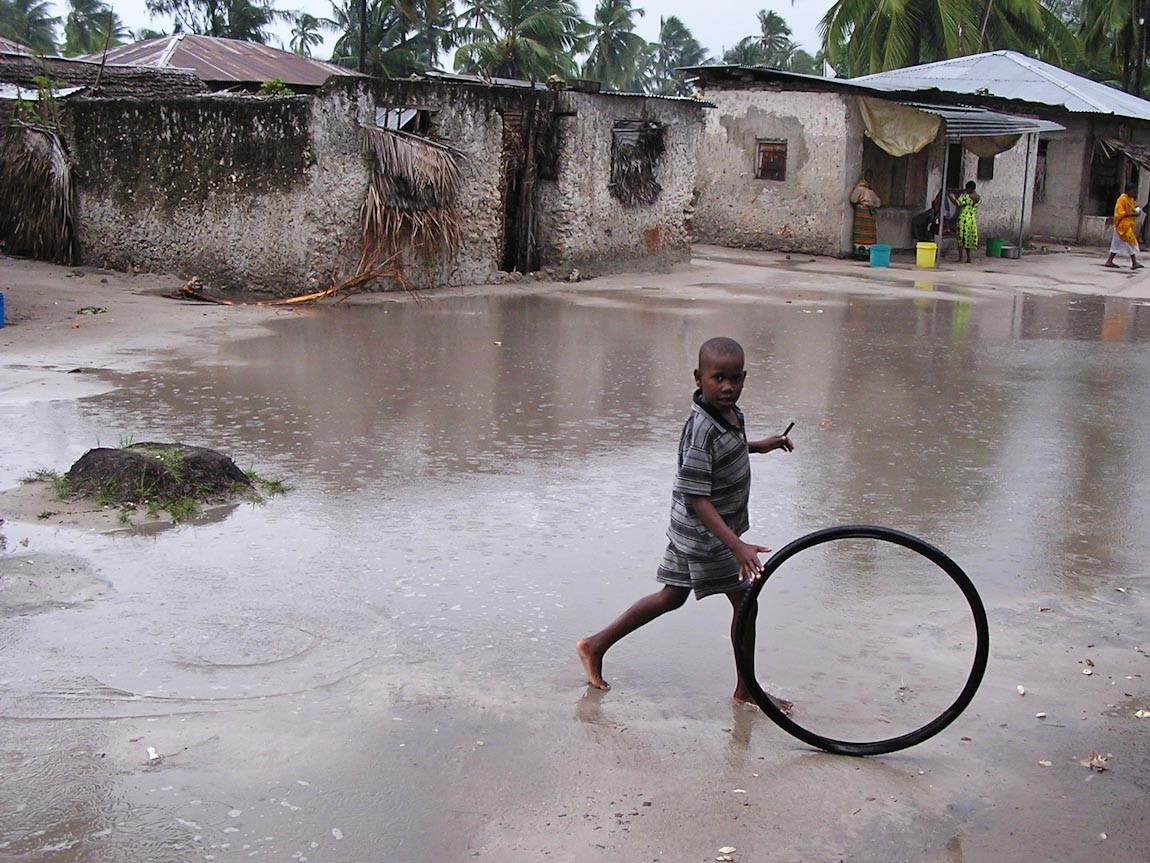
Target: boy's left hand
x: 771, y: 443
x: 747, y: 554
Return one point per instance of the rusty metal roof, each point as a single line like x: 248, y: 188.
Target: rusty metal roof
x: 225, y: 62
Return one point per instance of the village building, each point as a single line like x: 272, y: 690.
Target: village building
x: 785, y: 150
x: 225, y: 64
x: 372, y: 183
x: 1079, y: 170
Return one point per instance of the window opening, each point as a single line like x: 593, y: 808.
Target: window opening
x: 636, y: 147
x: 985, y: 168
x: 1040, y: 173
x: 771, y: 160
x: 416, y: 121
x: 954, y: 166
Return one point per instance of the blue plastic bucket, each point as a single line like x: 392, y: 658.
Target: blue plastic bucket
x: 880, y: 255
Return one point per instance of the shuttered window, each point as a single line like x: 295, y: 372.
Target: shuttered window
x: 771, y: 160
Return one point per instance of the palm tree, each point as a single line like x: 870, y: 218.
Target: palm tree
x: 305, y: 33
x: 1110, y: 32
x: 1027, y: 26
x: 28, y: 22
x: 876, y: 35
x: 748, y: 51
x: 776, y: 34
x: 90, y: 25
x: 618, y: 53
x: 395, y: 45
x: 676, y: 48
x: 247, y: 20
x: 532, y: 39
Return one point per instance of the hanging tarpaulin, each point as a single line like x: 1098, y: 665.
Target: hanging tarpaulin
x: 898, y: 129
x: 985, y: 146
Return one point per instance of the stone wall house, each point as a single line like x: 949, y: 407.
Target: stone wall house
x: 266, y: 194
x: 783, y: 152
x: 1078, y: 171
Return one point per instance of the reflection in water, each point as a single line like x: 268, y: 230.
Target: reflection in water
x: 476, y: 482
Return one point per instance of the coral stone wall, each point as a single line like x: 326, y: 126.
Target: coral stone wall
x: 264, y: 194
x: 244, y: 192
x: 808, y: 210
x: 581, y: 225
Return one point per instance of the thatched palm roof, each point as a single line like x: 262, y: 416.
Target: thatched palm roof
x: 125, y: 82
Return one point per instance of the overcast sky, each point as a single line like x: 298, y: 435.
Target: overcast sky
x: 717, y: 24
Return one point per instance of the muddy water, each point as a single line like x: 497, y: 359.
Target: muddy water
x: 378, y: 665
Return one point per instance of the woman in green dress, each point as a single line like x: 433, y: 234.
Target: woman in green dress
x: 967, y: 229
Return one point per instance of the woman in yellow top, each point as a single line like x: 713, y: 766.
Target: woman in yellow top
x: 1124, y: 242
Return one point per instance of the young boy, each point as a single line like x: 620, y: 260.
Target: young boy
x: 708, y: 511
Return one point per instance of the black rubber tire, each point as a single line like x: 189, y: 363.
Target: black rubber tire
x: 746, y: 663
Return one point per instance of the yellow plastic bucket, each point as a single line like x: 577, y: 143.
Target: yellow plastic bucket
x: 925, y: 253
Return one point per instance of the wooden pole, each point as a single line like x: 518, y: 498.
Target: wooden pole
x: 942, y: 202
x: 363, y: 36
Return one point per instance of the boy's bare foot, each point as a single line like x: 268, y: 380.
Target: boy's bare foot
x: 592, y: 665
x: 785, y: 706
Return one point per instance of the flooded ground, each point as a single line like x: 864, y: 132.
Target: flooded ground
x: 379, y: 665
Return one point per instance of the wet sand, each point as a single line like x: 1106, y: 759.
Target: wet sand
x: 379, y: 665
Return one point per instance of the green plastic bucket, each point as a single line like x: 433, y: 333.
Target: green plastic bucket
x: 994, y: 247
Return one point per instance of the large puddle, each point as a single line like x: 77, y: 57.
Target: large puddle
x: 379, y: 665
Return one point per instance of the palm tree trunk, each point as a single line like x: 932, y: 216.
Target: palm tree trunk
x: 362, y: 35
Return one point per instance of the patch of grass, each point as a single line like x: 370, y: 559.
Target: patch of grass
x: 126, y: 513
x: 46, y: 513
x: 43, y: 474
x: 266, y: 485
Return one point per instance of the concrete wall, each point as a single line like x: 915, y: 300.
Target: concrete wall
x: 1067, y: 164
x: 582, y: 226
x: 809, y: 210
x: 265, y: 194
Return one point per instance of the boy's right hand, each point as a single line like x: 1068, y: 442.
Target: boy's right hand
x: 747, y: 554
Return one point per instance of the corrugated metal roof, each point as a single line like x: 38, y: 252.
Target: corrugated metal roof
x: 561, y: 86
x: 1013, y: 76
x: 966, y: 122
x: 7, y: 46
x: 16, y: 93
x: 225, y: 61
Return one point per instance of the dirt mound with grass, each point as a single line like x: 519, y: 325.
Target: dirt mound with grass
x: 146, y: 472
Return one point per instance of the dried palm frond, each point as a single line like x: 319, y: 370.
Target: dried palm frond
x: 411, y: 193
x: 364, y: 273
x: 37, y: 209
x: 635, y: 152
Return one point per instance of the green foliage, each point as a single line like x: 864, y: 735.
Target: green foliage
x: 401, y: 36
x: 305, y: 32
x: 869, y: 36
x: 772, y: 46
x: 44, y: 110
x: 90, y: 25
x: 247, y: 20
x: 620, y: 57
x: 29, y: 23
x: 530, y: 39
x: 274, y: 87
x: 676, y: 48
